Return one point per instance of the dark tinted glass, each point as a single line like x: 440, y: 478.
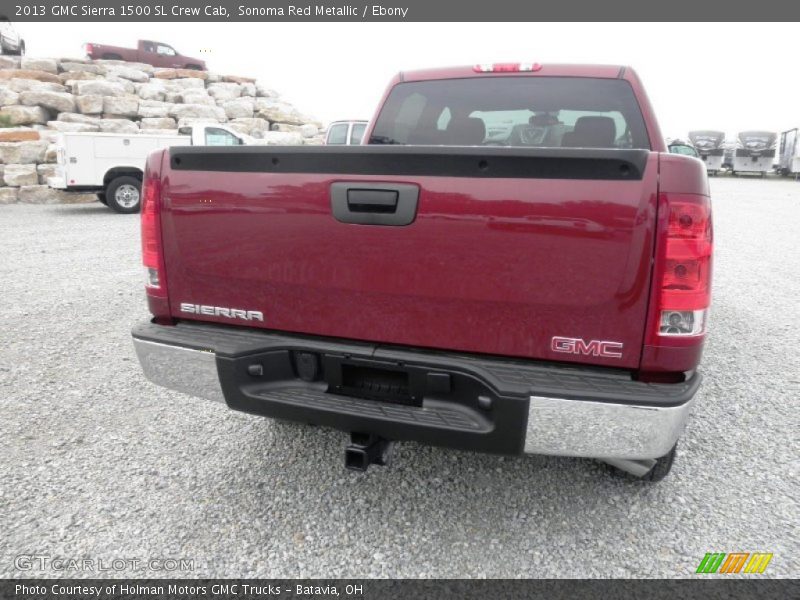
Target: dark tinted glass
x: 513, y: 111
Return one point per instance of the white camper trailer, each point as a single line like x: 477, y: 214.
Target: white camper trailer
x: 709, y: 146
x: 755, y: 151
x: 789, y: 162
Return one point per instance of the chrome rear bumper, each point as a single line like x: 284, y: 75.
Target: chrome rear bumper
x: 627, y: 435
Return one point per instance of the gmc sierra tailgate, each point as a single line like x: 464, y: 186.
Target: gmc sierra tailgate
x: 538, y: 253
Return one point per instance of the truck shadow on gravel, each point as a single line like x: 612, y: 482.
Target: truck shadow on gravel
x: 316, y: 455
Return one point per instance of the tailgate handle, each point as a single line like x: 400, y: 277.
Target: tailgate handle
x: 374, y: 201
x: 370, y: 203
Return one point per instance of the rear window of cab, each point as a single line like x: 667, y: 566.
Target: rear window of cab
x: 545, y: 112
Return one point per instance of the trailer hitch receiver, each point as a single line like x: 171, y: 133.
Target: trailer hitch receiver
x: 366, y: 449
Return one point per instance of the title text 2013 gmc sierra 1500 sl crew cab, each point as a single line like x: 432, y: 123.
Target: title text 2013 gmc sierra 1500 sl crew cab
x: 512, y: 263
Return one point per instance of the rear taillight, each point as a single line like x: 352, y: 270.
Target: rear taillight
x: 683, y: 268
x: 152, y: 252
x: 88, y: 48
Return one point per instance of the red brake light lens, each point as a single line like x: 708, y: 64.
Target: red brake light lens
x: 151, y: 236
x: 684, y: 278
x: 506, y: 67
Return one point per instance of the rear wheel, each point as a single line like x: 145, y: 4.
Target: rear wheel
x: 101, y: 196
x: 124, y: 194
x: 110, y: 56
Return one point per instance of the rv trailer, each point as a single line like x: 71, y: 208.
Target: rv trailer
x: 789, y: 162
x: 755, y: 151
x: 709, y: 146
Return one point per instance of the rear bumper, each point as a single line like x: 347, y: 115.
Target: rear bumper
x: 464, y: 401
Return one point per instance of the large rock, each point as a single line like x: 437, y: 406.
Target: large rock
x: 42, y: 194
x: 9, y: 195
x: 179, y: 85
x: 81, y: 67
x: 128, y: 86
x: 48, y: 65
x: 263, y: 91
x: 249, y: 126
x: 89, y: 104
x: 44, y: 172
x: 173, y: 97
x: 9, y: 62
x: 150, y: 91
x: 118, y: 126
x: 8, y: 96
x: 279, y: 112
x: 21, y: 153
x: 27, y: 85
x: 249, y: 89
x: 123, y: 106
x: 67, y: 127
x: 128, y: 73
x: 54, y: 101
x: 78, y: 118
x: 29, y: 74
x: 180, y: 73
x: 18, y: 134
x: 18, y: 175
x: 154, y: 108
x: 240, y: 108
x: 70, y: 77
x: 111, y: 64
x: 237, y: 79
x: 23, y: 115
x: 197, y: 97
x: 100, y: 87
x: 222, y: 92
x: 307, y: 131
x: 157, y: 123
x: 197, y: 111
x: 280, y: 138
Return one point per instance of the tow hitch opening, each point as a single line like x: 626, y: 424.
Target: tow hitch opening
x: 366, y: 449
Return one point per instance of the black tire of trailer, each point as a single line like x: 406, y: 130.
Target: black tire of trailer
x: 101, y: 197
x: 111, y: 191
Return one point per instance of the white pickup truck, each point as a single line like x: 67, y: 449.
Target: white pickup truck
x: 112, y: 164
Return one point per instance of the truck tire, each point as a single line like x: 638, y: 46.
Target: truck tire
x: 101, y: 197
x: 124, y: 194
x: 662, y: 467
x: 111, y: 56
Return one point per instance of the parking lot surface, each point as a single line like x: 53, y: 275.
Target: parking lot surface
x: 99, y: 463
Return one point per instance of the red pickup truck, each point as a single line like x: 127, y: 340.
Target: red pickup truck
x: 157, y: 54
x: 512, y: 263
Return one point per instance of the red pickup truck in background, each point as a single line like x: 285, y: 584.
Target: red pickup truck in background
x: 513, y: 263
x: 157, y: 54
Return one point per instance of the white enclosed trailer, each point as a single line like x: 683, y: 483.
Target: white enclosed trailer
x: 112, y: 164
x: 755, y: 152
x: 709, y: 147
x: 789, y: 163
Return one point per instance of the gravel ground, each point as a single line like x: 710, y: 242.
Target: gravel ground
x: 97, y: 462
